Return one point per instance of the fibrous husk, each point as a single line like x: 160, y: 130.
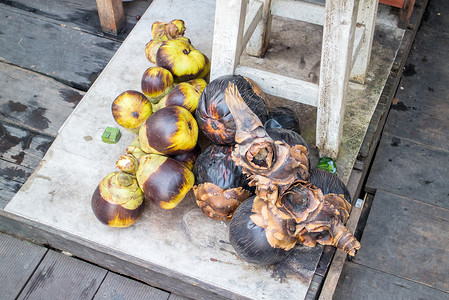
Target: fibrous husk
x: 219, y: 203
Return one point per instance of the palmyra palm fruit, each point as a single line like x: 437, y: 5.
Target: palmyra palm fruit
x: 184, y: 95
x: 151, y: 50
x: 181, y: 59
x: 198, y: 83
x: 156, y: 83
x: 175, y: 28
x: 170, y: 131
x: 158, y: 31
x: 130, y: 109
x: 213, y: 115
x: 249, y: 240
x: 282, y: 117
x: 220, y: 184
x: 189, y: 158
x: 329, y: 183
x: 118, y: 200
x: 164, y: 180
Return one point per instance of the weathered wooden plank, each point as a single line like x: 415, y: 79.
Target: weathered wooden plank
x: 63, y: 277
x: 18, y: 260
x: 177, y: 297
x: 22, y: 147
x: 43, y: 106
x: 339, y: 259
x: 107, y: 258
x: 366, y: 16
x: 12, y: 177
x: 360, y: 282
x: 305, y: 11
x: 406, y: 168
x: 80, y: 14
x: 406, y: 122
x: 406, y: 238
x: 115, y: 286
x: 228, y: 36
x: 75, y: 57
x: 258, y: 43
x: 379, y: 117
x: 336, y: 55
x: 282, y: 86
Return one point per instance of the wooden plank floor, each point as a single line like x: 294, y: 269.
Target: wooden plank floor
x: 404, y: 252
x: 50, y: 54
x: 53, y: 51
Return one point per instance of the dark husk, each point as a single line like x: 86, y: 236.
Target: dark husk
x: 284, y: 117
x: 249, y: 240
x: 215, y: 165
x: 213, y: 115
x: 329, y: 183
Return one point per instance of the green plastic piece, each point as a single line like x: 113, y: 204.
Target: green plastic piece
x: 111, y: 135
x: 328, y: 164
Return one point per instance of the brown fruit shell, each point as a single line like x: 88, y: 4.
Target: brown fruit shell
x: 217, y: 203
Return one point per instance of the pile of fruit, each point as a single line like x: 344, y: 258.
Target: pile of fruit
x: 158, y: 165
x: 255, y: 172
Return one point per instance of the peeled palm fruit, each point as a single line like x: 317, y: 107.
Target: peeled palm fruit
x: 130, y: 109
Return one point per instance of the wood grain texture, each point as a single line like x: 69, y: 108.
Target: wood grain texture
x: 406, y: 238
x: 115, y: 286
x: 409, y: 169
x: 360, y: 282
x: 80, y: 14
x: 336, y: 55
x: 22, y: 147
x: 12, y: 177
x: 75, y: 58
x: 63, y: 277
x: 112, y: 18
x: 33, y: 101
x: 18, y: 260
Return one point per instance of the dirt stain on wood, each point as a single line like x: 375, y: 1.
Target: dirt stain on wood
x: 16, y: 106
x: 70, y: 96
x: 38, y: 120
x: 19, y: 157
x: 7, y: 141
x: 14, y: 174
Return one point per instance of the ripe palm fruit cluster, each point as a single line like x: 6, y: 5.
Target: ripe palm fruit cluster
x: 158, y: 165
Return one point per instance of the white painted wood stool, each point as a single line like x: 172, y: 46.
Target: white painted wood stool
x: 347, y: 40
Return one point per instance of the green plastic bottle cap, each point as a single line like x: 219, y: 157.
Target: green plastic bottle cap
x: 328, y: 164
x: 111, y: 135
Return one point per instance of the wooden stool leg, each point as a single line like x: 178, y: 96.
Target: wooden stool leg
x: 228, y: 36
x: 366, y: 16
x: 111, y: 15
x: 258, y: 44
x: 406, y: 12
x: 336, y: 56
